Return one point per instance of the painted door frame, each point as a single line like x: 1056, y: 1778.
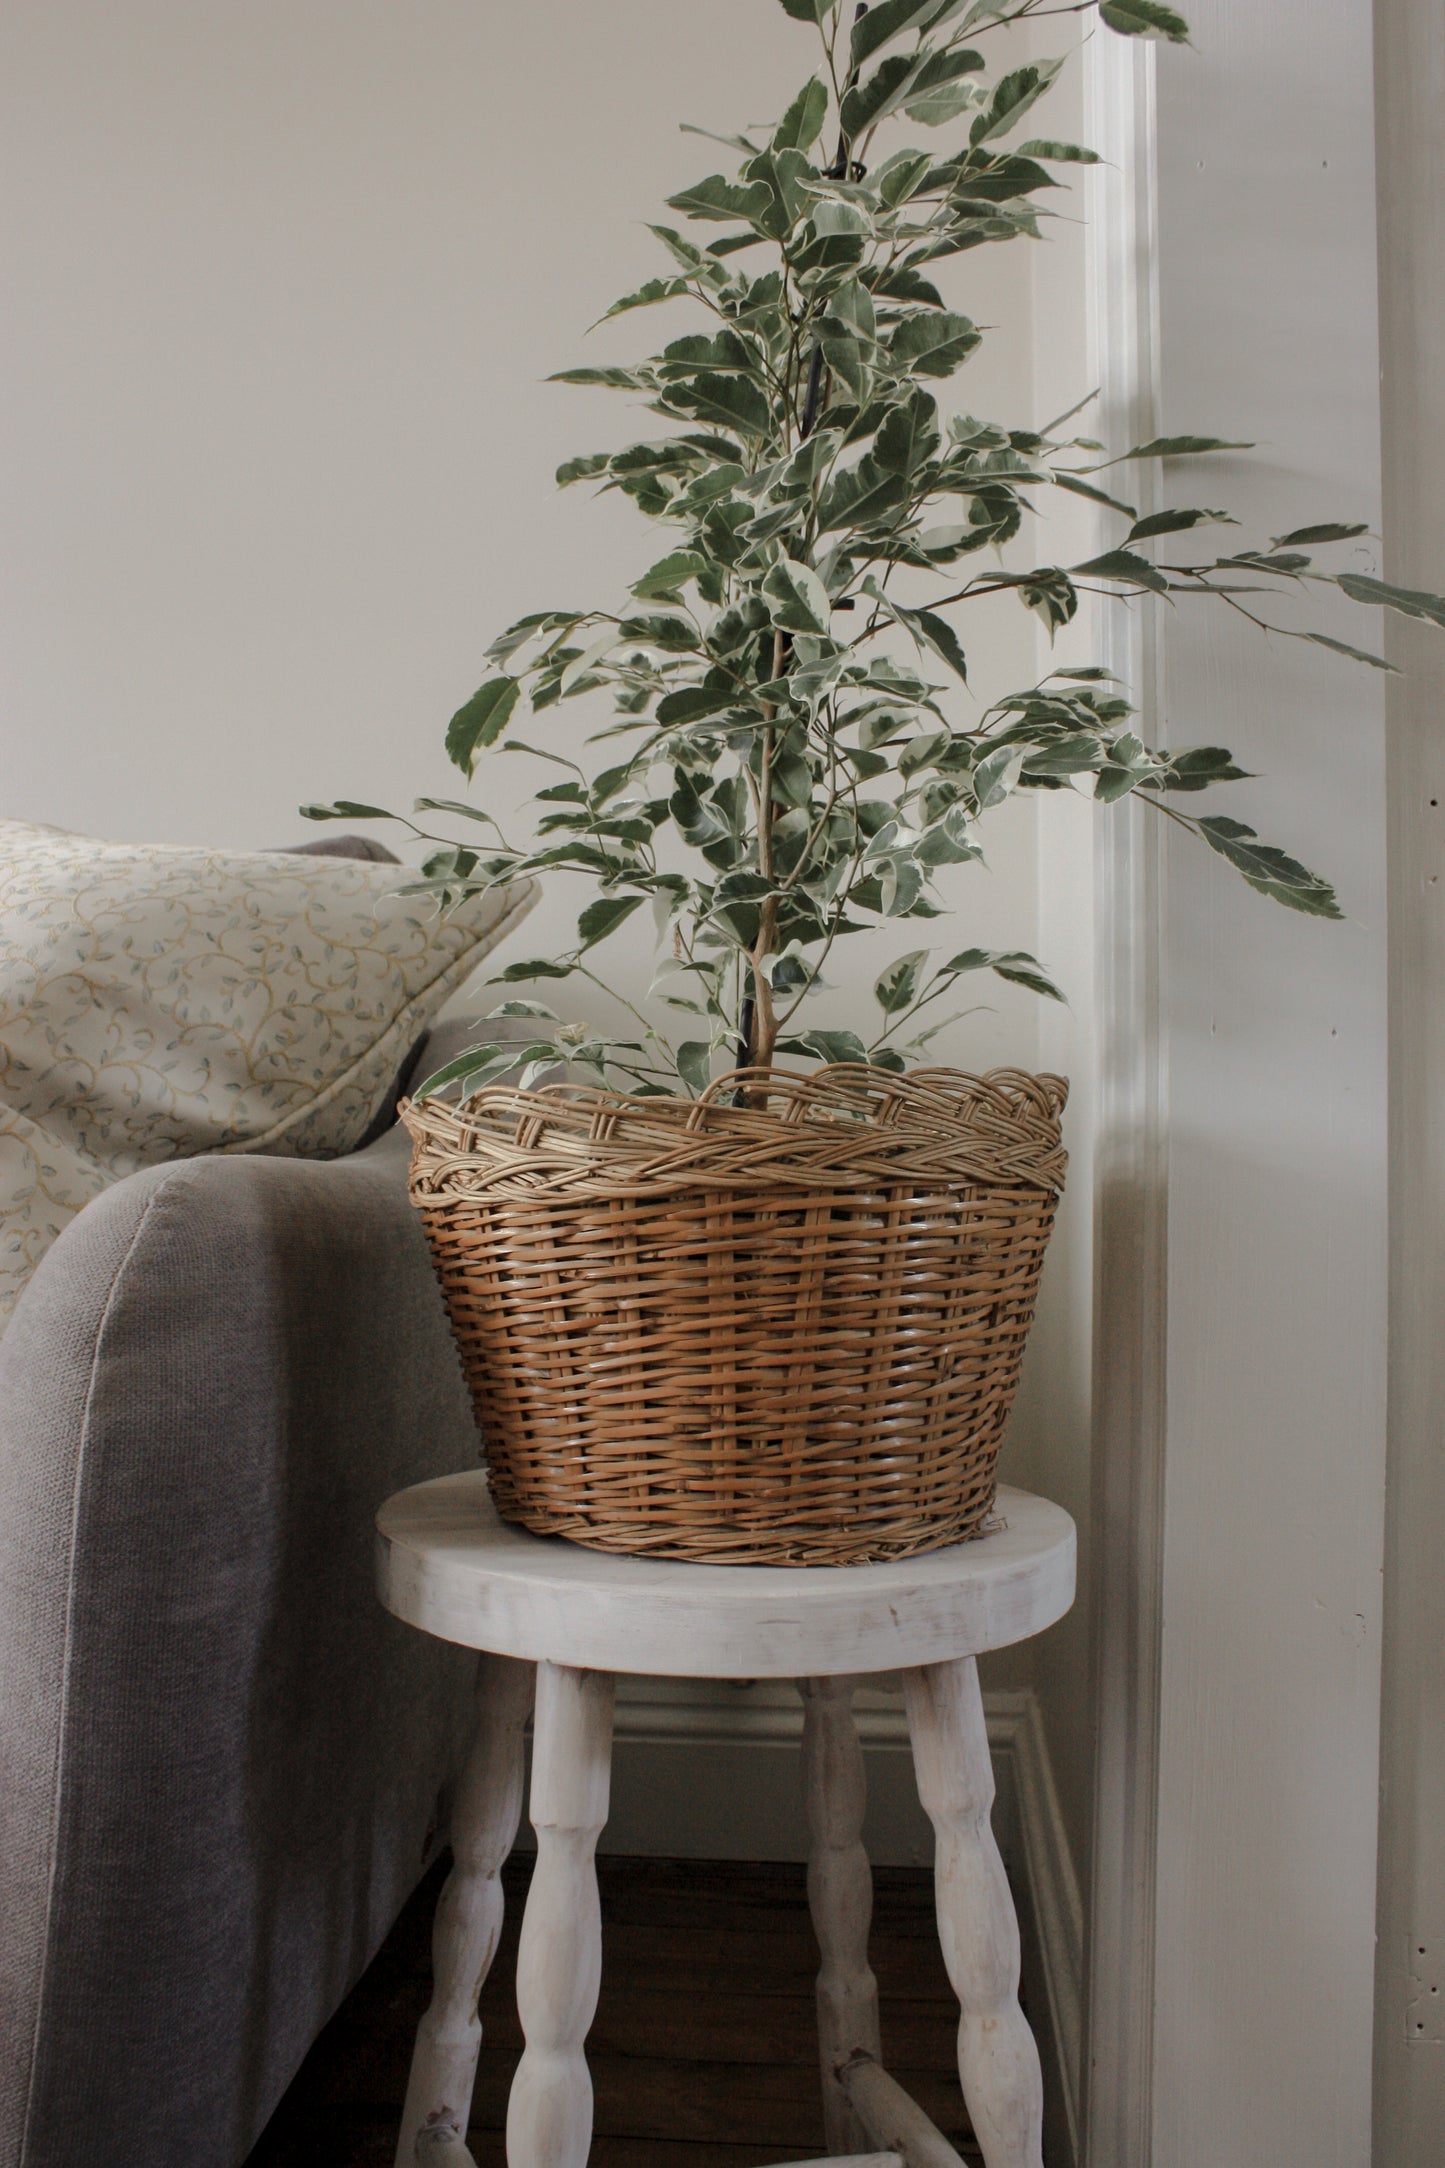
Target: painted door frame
x: 1241, y: 1201
x: 1130, y: 1148
x: 1410, y: 1988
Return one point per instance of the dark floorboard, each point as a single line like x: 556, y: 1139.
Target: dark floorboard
x: 703, y: 2053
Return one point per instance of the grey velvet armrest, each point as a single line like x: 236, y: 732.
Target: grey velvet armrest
x: 220, y: 1760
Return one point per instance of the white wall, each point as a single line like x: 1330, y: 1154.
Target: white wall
x: 283, y: 281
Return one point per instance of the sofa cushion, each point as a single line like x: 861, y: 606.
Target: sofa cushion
x: 160, y: 1001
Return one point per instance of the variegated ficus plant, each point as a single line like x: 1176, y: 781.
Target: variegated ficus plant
x: 790, y: 676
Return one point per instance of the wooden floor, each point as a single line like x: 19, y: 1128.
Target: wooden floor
x: 703, y: 2053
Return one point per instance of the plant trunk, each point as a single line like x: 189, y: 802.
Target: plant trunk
x: 763, y: 1022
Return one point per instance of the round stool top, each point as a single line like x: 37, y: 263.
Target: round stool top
x: 447, y: 1563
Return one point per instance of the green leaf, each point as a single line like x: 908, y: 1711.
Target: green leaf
x: 1144, y: 19
x: 1181, y: 448
x: 942, y: 638
x: 458, y: 806
x: 1268, y: 869
x: 1078, y: 488
x: 541, y: 1055
x: 802, y: 124
x: 895, y: 988
x: 667, y: 575
x: 730, y: 142
x: 1408, y: 601
x: 734, y: 401
x: 902, y: 283
x: 943, y: 89
x: 1175, y: 523
x: 676, y: 635
x: 694, y: 1064
x: 1051, y: 594
x: 1332, y: 531
x: 534, y: 967
x: 685, y: 252
x: 683, y: 358
x: 1013, y: 95
x: 728, y: 244
x: 479, y: 1062
x: 851, y: 306
x: 861, y: 496
x: 614, y: 379
x: 584, y: 469
x: 1015, y: 965
x: 797, y: 599
x: 1285, y: 561
x: 909, y: 435
x: 900, y: 883
x: 1200, y: 765
x: 1124, y: 565
x: 933, y: 342
x: 848, y: 360
x: 996, y: 775
x: 888, y: 19
x: 809, y: 11
x: 1356, y: 654
x: 481, y: 721
x: 1116, y: 781
x: 646, y: 296
x: 604, y: 917
x: 690, y: 705
x: 832, y: 250
x: 345, y: 809
x: 789, y: 973
x: 868, y: 103
x: 582, y: 666
x: 723, y: 199
x: 526, y: 628
x: 1075, y: 154
x: 826, y: 1046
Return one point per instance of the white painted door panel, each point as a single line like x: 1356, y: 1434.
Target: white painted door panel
x: 1275, y: 1045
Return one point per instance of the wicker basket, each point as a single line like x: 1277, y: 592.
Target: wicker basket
x: 786, y: 1331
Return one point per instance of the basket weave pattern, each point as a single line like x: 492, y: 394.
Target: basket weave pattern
x: 783, y: 1331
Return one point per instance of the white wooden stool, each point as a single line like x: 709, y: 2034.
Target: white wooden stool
x: 553, y: 1618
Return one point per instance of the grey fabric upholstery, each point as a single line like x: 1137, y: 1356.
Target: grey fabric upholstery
x: 344, y: 847
x: 220, y: 1760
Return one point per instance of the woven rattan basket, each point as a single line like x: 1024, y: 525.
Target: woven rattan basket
x: 785, y: 1331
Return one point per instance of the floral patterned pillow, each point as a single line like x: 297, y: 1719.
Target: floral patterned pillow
x: 156, y: 1002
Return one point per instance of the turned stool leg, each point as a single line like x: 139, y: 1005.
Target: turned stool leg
x: 998, y: 2062
x: 840, y: 1893
x: 469, y: 1913
x: 559, y: 1965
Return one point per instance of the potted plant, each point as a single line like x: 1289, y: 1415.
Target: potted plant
x: 715, y: 1301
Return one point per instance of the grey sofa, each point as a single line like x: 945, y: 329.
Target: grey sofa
x: 222, y: 1765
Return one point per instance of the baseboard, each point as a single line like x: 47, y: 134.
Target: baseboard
x: 703, y: 1770
x: 1051, y: 1915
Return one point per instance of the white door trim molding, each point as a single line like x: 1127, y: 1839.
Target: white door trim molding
x: 1274, y: 1033
x: 1130, y: 1287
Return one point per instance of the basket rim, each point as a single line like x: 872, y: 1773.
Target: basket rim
x: 845, y: 1120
